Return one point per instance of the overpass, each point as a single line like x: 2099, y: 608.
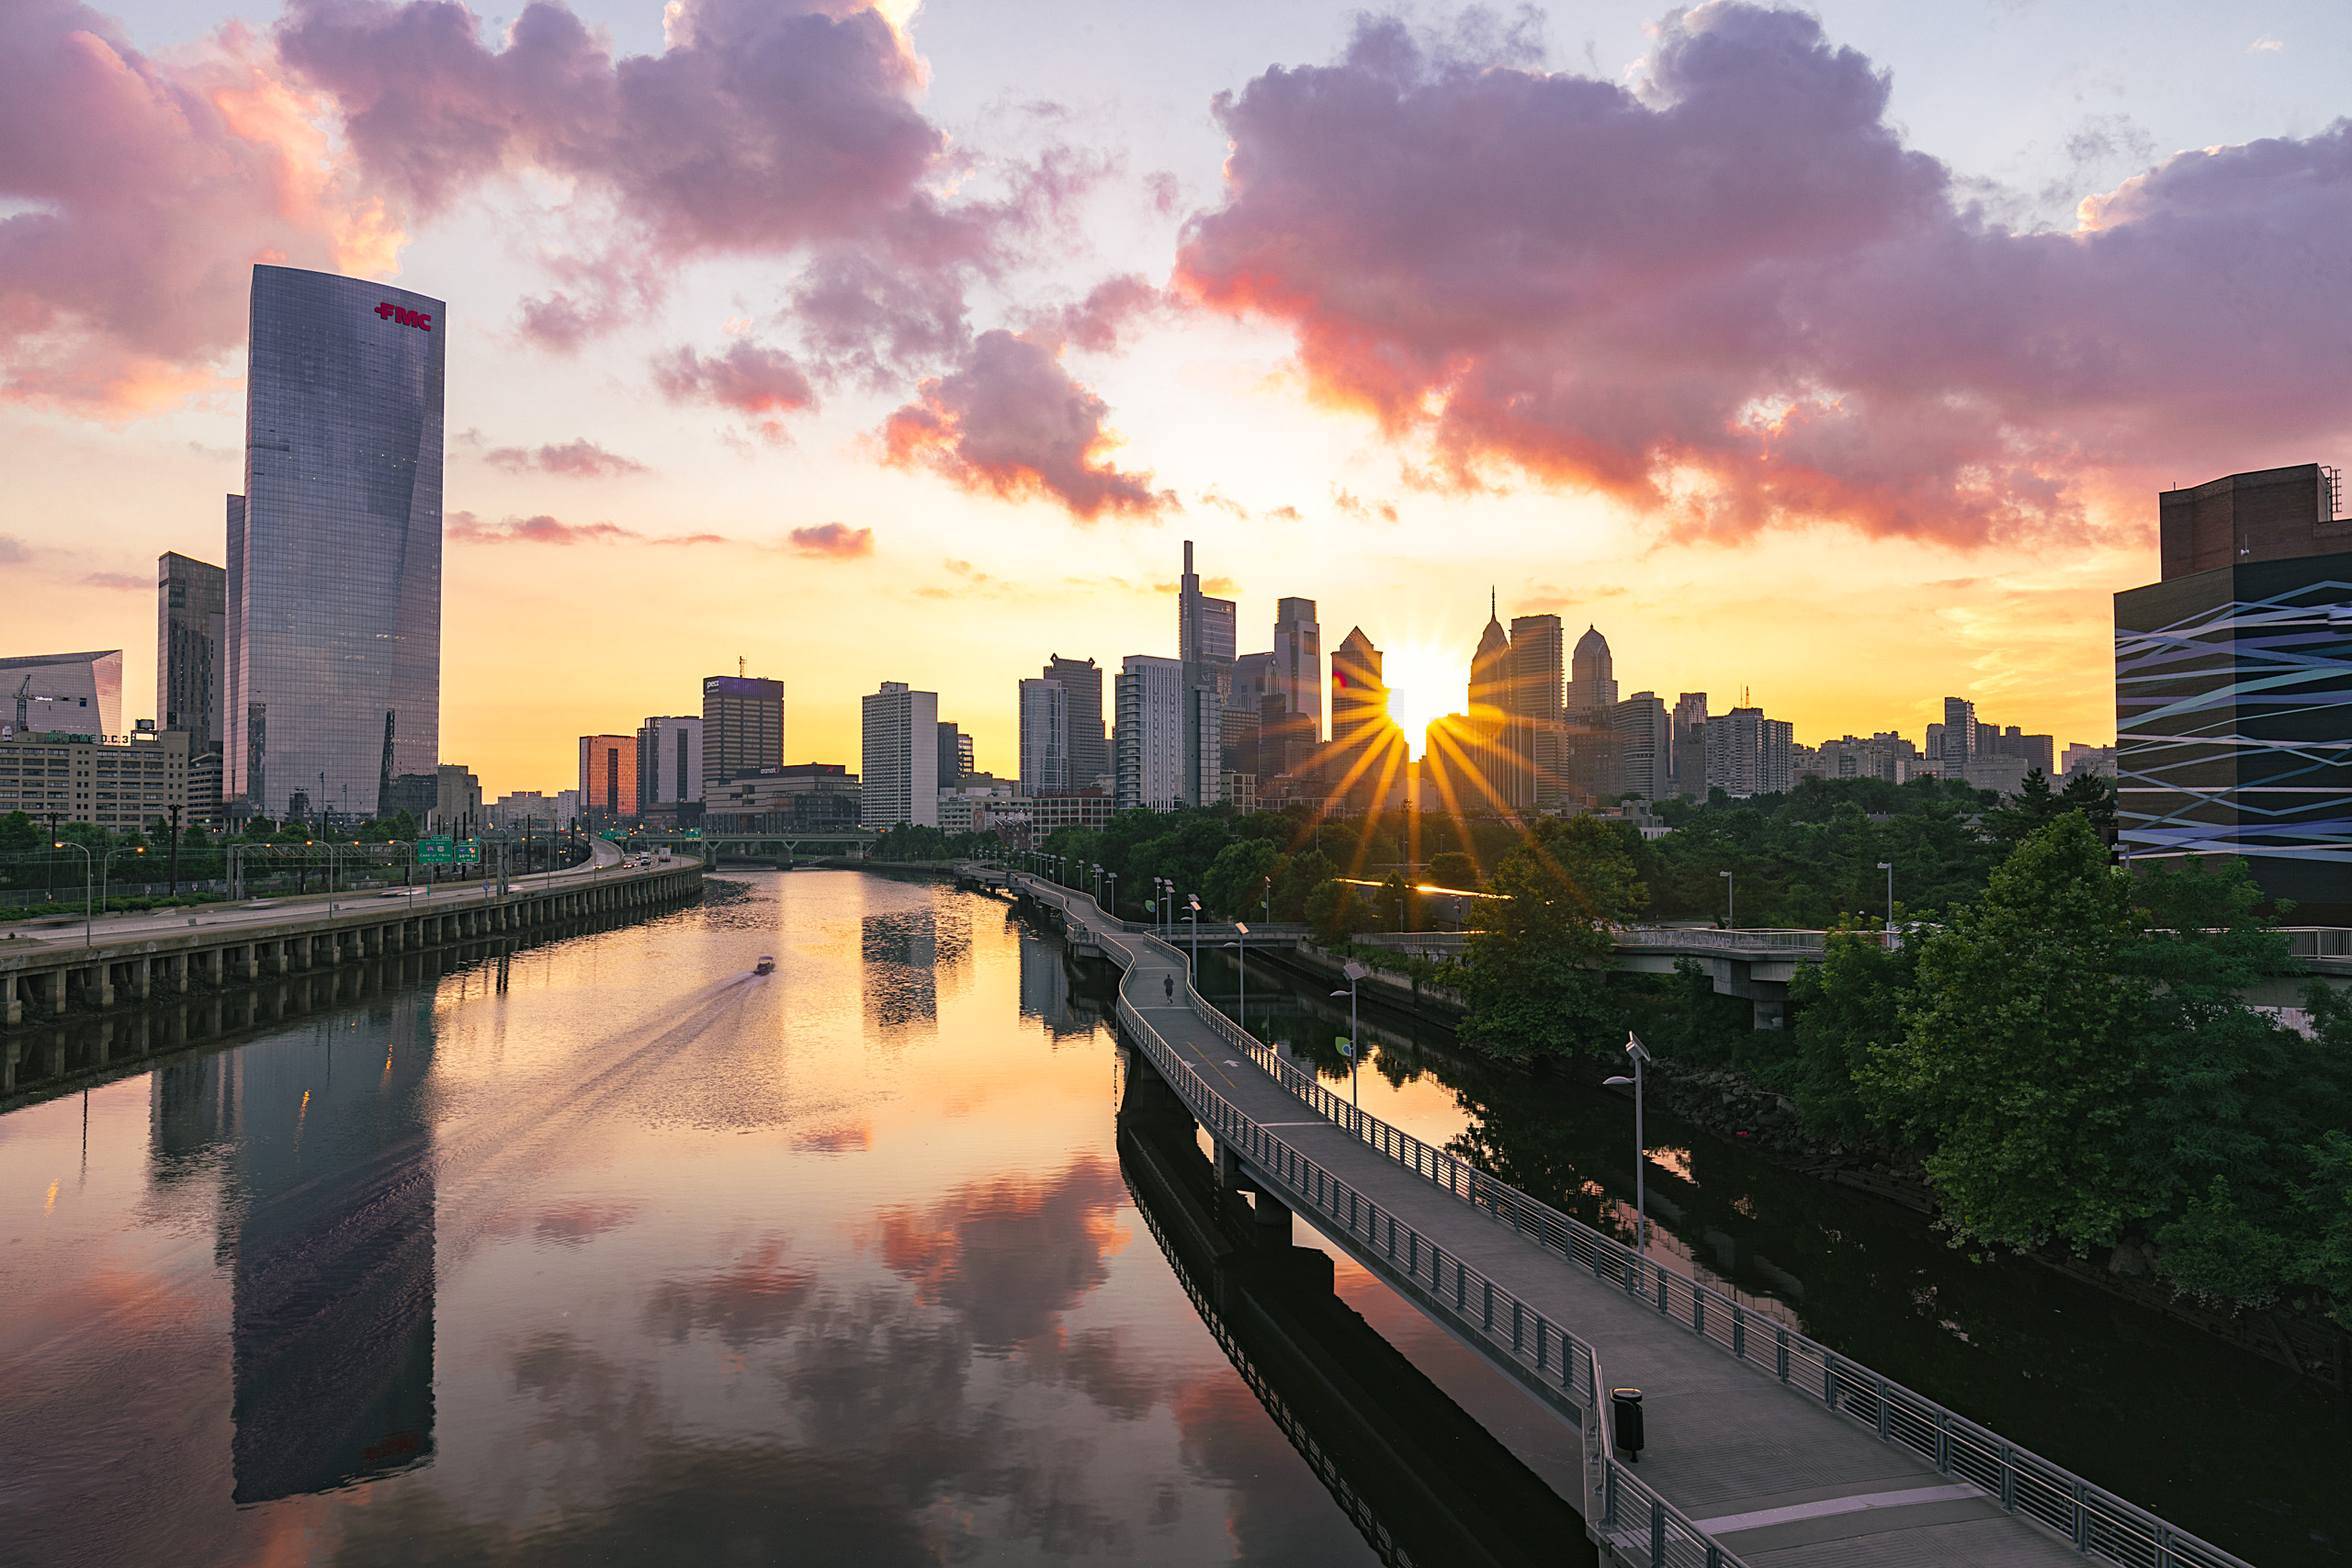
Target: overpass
x: 1767, y: 1446
x: 782, y: 849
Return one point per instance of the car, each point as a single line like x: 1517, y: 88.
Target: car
x: 765, y: 966
x: 403, y: 892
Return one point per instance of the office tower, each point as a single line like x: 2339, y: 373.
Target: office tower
x: 1959, y: 736
x: 71, y: 694
x: 669, y: 763
x: 1644, y: 746
x: 1538, y: 679
x: 2082, y: 757
x: 1688, y: 728
x: 1298, y: 661
x: 955, y: 756
x: 1045, y: 738
x: 333, y: 684
x: 457, y: 800
x: 1089, y: 746
x: 1496, y: 776
x: 1748, y: 754
x: 126, y: 784
x: 1206, y: 646
x: 1147, y: 735
x: 608, y: 777
x: 1286, y: 740
x: 191, y: 626
x: 2036, y: 751
x: 2233, y: 688
x: 1253, y: 682
x: 899, y: 762
x: 1592, y: 687
x: 1359, y: 693
x: 742, y: 727
x: 1237, y: 750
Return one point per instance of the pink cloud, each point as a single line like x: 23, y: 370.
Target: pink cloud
x: 1010, y: 422
x: 578, y: 459
x: 1732, y: 299
x: 123, y: 581
x: 465, y: 528
x: 145, y: 191
x: 836, y: 540
x: 762, y: 384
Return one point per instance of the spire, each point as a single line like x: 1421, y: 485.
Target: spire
x: 1490, y: 603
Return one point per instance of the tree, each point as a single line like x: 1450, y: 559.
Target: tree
x: 1847, y: 1005
x: 1398, y: 903
x: 1455, y: 869
x: 1539, y: 961
x: 2017, y: 1061
x: 1337, y: 911
x: 1238, y: 879
x: 1306, y: 871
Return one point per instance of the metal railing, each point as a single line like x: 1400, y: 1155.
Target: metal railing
x: 2094, y: 1519
x: 1776, y: 941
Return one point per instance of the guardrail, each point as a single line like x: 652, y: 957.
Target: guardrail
x: 2094, y: 1519
x: 1738, y: 941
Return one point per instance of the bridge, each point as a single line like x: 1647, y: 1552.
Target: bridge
x: 1766, y: 1446
x: 782, y: 849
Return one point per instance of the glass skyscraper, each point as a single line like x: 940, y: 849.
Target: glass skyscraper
x: 333, y: 684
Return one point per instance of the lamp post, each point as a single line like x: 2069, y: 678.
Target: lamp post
x: 1113, y: 878
x: 1354, y: 972
x: 1731, y: 919
x: 106, y: 860
x: 1888, y: 866
x: 1241, y: 965
x: 1640, y: 1052
x: 86, y: 890
x: 1193, y: 901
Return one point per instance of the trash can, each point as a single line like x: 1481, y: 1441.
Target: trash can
x: 1625, y: 1409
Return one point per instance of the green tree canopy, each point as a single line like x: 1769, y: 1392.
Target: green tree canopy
x: 1538, y: 961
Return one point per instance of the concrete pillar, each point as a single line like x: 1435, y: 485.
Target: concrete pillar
x: 1228, y: 1168
x: 8, y: 1066
x: 143, y: 978
x: 1274, y: 1219
x: 1768, y: 1012
x: 100, y: 981
x: 12, y: 1005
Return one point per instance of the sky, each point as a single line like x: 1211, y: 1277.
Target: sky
x: 1829, y: 356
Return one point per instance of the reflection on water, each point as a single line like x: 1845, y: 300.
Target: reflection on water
x: 618, y: 1252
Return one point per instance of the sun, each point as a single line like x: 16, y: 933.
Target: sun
x: 1425, y: 681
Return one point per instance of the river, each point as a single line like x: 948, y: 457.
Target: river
x: 615, y: 1251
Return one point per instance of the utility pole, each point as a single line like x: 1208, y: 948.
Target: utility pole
x: 174, y: 873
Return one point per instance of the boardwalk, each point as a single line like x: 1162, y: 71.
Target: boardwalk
x: 1743, y: 1464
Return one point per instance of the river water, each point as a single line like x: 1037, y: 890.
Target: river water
x: 613, y: 1251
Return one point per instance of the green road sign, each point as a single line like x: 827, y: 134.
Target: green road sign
x: 468, y: 852
x: 434, y: 851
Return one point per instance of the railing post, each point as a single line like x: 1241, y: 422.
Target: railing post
x: 1739, y: 1331
x: 1783, y: 1357
x: 1657, y: 1531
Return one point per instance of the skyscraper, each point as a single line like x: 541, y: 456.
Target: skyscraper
x: 191, y: 627
x: 669, y: 762
x: 608, y: 777
x: 1205, y: 645
x: 900, y: 758
x: 955, y: 755
x: 1644, y: 746
x: 1690, y: 734
x: 1148, y: 739
x: 1958, y: 737
x: 1501, y: 777
x: 1592, y: 686
x: 1090, y: 746
x: 333, y: 627
x: 1045, y: 738
x: 742, y: 727
x: 1537, y: 646
x: 2233, y: 688
x: 1298, y: 660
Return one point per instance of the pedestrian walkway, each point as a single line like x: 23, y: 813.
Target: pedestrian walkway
x: 1742, y: 1464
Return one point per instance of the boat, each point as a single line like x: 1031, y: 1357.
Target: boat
x: 765, y: 966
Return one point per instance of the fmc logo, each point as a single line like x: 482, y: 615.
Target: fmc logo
x: 420, y: 320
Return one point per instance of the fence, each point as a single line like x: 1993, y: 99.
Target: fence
x: 2097, y: 1521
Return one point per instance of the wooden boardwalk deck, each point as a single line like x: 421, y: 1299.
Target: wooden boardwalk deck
x: 1739, y: 1466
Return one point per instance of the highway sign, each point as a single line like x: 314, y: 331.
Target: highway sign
x: 434, y: 851
x: 468, y: 852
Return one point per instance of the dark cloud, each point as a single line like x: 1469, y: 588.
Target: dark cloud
x: 581, y: 458
x: 1729, y: 296
x: 763, y: 384
x: 837, y: 540
x: 1010, y: 422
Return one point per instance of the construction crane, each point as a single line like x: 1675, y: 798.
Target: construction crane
x: 25, y: 699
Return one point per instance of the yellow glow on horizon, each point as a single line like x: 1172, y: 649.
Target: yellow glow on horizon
x: 1425, y: 681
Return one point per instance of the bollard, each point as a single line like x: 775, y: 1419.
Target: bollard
x: 1626, y: 1405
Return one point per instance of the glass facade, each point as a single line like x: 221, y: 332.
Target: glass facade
x: 335, y: 568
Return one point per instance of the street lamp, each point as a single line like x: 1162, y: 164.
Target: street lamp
x: 1888, y: 866
x: 1354, y: 972
x: 1640, y: 1052
x: 1241, y: 963
x: 1194, y: 902
x: 87, y: 891
x: 106, y: 860
x: 1112, y: 877
x: 1731, y: 920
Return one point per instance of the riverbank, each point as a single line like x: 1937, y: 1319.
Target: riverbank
x: 1734, y: 1107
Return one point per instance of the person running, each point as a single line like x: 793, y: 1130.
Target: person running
x: 1169, y: 981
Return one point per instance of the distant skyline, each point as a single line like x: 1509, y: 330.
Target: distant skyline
x: 1873, y: 414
